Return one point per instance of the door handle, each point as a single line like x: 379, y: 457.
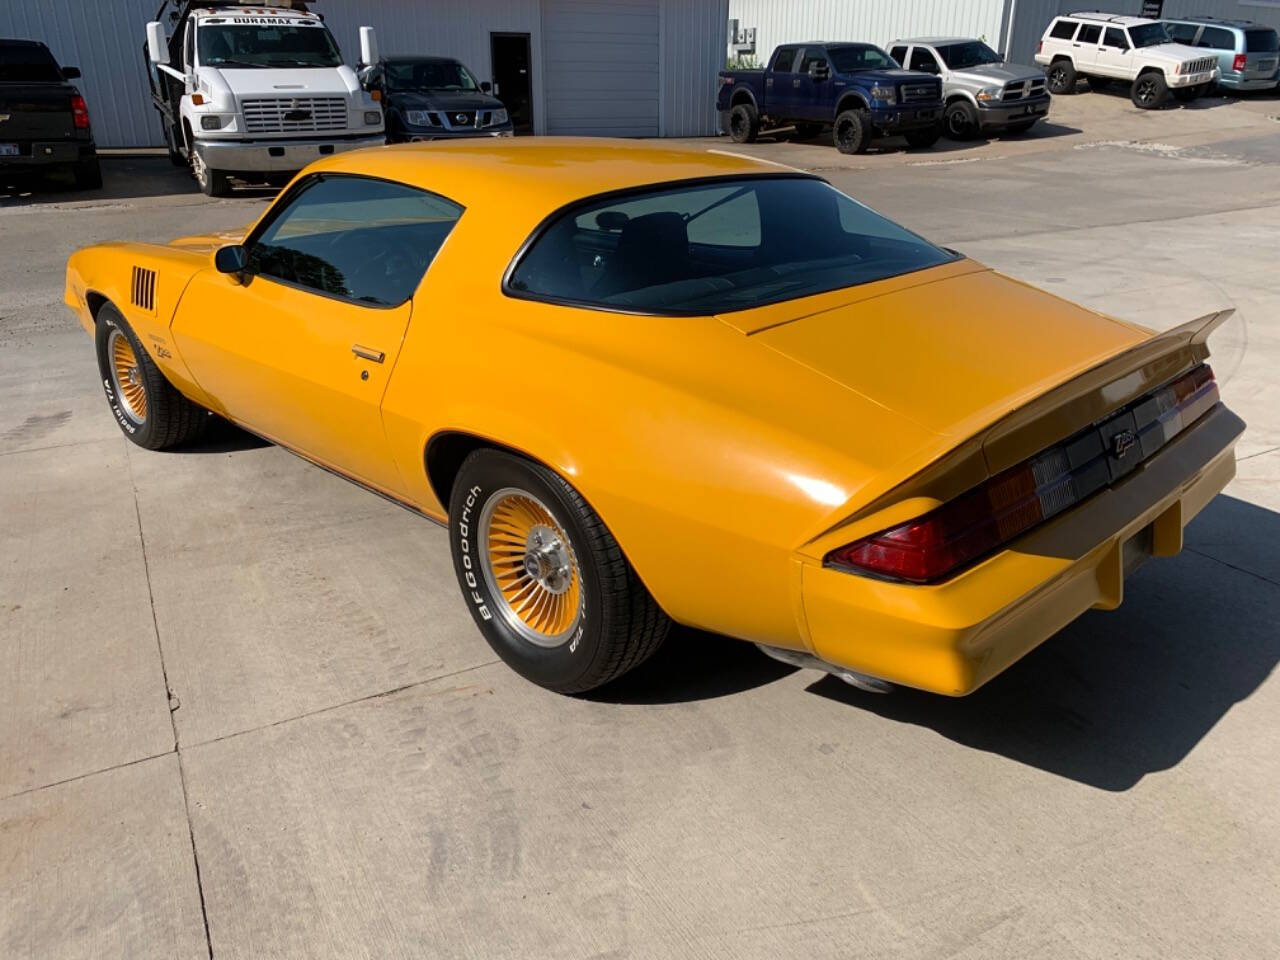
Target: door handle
x: 376, y: 356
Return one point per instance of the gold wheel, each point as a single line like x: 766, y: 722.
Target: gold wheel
x: 531, y: 568
x: 126, y: 377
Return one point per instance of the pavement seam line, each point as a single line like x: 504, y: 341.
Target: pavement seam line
x: 1232, y: 566
x: 168, y: 695
x: 85, y: 776
x: 1260, y: 453
x: 346, y: 703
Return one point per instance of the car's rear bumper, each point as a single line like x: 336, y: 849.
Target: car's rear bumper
x: 954, y: 636
x: 1237, y: 82
x: 275, y: 156
x: 38, y: 154
x: 1019, y: 111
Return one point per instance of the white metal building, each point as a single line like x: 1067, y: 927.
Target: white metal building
x: 1010, y: 26
x: 598, y: 67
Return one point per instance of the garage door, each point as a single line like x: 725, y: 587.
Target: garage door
x: 600, y: 63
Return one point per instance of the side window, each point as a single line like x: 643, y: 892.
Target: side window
x: 922, y: 59
x: 189, y: 44
x: 1183, y: 32
x: 1063, y: 30
x: 1089, y: 33
x: 1115, y: 38
x: 785, y: 60
x: 899, y: 54
x: 812, y: 55
x: 365, y: 240
x: 1215, y: 38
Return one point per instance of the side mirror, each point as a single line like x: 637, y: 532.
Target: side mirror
x: 368, y: 46
x: 486, y: 86
x: 232, y: 259
x: 819, y: 71
x: 157, y: 42
x: 71, y: 73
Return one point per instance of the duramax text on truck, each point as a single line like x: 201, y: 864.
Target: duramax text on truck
x: 855, y: 89
x: 255, y: 91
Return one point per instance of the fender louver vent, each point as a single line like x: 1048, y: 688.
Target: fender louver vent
x: 144, y: 288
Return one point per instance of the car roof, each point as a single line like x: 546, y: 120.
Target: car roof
x: 936, y: 41
x: 6, y: 42
x: 542, y: 172
x: 1218, y: 22
x: 1097, y: 15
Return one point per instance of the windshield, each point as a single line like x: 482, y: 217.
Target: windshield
x: 854, y: 58
x: 707, y: 248
x: 304, y: 45
x: 27, y: 63
x: 429, y: 75
x: 1261, y: 41
x: 1149, y: 34
x: 971, y: 53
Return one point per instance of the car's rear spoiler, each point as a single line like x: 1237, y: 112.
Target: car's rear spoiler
x: 1091, y: 395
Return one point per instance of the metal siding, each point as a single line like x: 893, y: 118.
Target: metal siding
x: 878, y: 22
x: 693, y: 53
x: 602, y: 67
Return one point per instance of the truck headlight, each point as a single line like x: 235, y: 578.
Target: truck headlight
x: 211, y: 121
x: 372, y: 118
x: 884, y: 95
x: 989, y: 95
x: 499, y: 117
x: 418, y: 118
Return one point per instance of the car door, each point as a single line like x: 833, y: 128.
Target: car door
x: 923, y: 60
x: 817, y: 94
x: 301, y: 348
x: 1113, y: 53
x: 1084, y: 48
x: 779, y: 97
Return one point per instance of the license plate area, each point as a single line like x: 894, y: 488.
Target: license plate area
x: 8, y: 150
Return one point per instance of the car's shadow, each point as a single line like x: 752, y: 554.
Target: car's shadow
x: 126, y: 175
x: 1113, y: 697
x: 1044, y: 130
x: 222, y: 436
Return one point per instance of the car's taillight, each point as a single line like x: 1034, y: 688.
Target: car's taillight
x: 1039, y: 45
x: 79, y: 112
x: 1239, y: 62
x: 995, y: 512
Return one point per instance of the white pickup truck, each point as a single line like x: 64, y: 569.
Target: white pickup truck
x: 256, y: 91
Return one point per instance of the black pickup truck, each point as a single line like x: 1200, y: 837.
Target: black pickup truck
x: 44, y: 123
x: 856, y: 89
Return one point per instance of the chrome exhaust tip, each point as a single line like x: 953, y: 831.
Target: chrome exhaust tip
x: 807, y: 661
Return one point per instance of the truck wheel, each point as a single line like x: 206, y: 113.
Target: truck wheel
x: 213, y: 183
x: 807, y: 131
x: 148, y: 408
x: 961, y: 120
x: 545, y: 581
x: 852, y: 131
x: 927, y: 137
x: 88, y: 174
x: 1149, y: 91
x: 744, y: 123
x: 1062, y: 77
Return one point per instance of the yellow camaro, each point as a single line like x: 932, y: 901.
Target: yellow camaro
x: 644, y: 385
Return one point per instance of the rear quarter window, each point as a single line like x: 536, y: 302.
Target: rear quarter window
x: 27, y: 63
x: 1215, y: 38
x: 1063, y: 30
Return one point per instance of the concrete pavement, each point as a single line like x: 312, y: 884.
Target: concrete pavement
x: 243, y: 713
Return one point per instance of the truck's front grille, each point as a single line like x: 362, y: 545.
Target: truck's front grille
x: 920, y: 91
x: 1203, y: 65
x: 1024, y: 89
x: 294, y: 115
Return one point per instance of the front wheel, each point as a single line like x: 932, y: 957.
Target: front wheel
x: 744, y: 123
x: 147, y: 407
x: 1062, y: 77
x: 213, y: 183
x: 1149, y: 91
x: 961, y: 120
x: 545, y: 581
x: 852, y: 131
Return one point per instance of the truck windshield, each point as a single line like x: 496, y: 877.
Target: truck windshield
x: 1149, y: 34
x: 714, y: 247
x: 250, y: 46
x: 856, y: 57
x: 971, y: 53
x: 27, y: 63
x: 409, y: 75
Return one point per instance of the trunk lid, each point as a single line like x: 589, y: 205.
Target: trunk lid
x: 952, y: 353
x: 35, y: 111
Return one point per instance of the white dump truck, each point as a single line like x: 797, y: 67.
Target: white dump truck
x: 255, y: 91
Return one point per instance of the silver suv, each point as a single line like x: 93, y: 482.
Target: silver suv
x: 1248, y: 53
x: 982, y: 91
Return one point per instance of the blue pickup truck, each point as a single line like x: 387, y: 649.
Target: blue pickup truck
x: 856, y: 89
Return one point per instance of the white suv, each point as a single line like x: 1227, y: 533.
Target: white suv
x: 1124, y: 48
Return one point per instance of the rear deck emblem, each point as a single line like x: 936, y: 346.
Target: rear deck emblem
x: 1122, y: 443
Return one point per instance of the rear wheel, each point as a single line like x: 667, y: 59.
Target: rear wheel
x: 1149, y: 91
x: 545, y: 581
x: 852, y: 131
x: 961, y: 120
x: 744, y: 123
x: 148, y: 408
x: 1062, y: 77
x: 924, y: 138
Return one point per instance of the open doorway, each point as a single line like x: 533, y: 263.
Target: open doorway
x: 513, y: 77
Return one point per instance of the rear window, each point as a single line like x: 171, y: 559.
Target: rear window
x: 1261, y: 41
x: 715, y: 247
x: 1063, y: 30
x: 28, y: 63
